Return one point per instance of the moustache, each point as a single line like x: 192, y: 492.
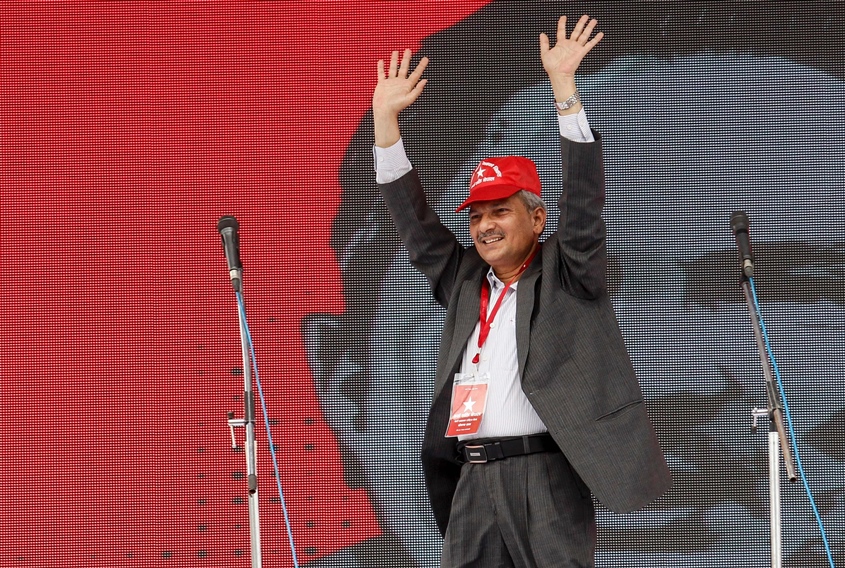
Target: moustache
x: 490, y: 234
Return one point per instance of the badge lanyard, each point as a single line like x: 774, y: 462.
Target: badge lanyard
x: 487, y: 322
x: 469, y: 390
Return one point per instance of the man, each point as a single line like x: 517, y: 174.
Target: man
x: 563, y: 406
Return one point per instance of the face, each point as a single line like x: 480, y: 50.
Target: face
x: 504, y: 232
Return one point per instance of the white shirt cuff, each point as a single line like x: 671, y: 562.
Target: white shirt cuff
x: 575, y: 127
x: 391, y: 163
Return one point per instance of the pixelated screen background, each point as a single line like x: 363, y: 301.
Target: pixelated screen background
x: 129, y: 129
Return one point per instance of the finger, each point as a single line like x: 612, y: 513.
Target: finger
x: 394, y: 60
x: 592, y: 43
x: 544, y: 43
x: 415, y: 76
x: 588, y: 31
x: 561, y: 28
x: 406, y: 63
x: 417, y: 90
x: 380, y: 68
x: 579, y: 27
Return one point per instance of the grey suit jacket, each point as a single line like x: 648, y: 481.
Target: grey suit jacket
x: 574, y: 367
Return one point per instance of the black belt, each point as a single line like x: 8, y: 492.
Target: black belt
x: 484, y: 450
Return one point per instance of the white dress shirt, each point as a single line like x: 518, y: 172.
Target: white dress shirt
x: 508, y: 411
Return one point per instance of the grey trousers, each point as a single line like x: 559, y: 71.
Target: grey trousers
x: 528, y: 511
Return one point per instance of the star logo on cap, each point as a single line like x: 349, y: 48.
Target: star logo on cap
x: 481, y: 173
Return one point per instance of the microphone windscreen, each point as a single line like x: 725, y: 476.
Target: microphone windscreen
x: 227, y: 222
x: 739, y: 221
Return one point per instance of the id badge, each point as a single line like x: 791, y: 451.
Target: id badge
x: 469, y: 397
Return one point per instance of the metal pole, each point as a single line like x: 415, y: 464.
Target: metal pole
x: 250, y: 448
x: 250, y: 445
x: 228, y: 226
x: 774, y: 496
x: 777, y: 440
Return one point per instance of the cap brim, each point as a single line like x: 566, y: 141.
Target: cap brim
x: 489, y: 194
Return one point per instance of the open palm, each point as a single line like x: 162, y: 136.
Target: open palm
x: 397, y: 89
x: 564, y: 58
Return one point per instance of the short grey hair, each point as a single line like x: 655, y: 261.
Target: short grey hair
x: 531, y: 200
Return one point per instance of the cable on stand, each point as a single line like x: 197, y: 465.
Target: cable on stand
x: 774, y: 410
x: 228, y: 229
x: 776, y: 400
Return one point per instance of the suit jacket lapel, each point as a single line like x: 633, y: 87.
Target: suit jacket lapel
x: 466, y: 319
x: 524, y: 310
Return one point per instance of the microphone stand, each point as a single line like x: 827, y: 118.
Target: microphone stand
x: 248, y: 423
x: 777, y: 434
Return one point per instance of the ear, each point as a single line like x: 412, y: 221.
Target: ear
x: 538, y: 217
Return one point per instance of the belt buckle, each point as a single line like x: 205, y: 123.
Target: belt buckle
x: 475, y: 454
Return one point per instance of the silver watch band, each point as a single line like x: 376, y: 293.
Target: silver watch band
x: 574, y: 99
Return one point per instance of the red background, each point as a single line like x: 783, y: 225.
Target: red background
x: 128, y: 129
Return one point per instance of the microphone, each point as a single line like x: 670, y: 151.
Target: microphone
x: 739, y: 226
x: 228, y: 228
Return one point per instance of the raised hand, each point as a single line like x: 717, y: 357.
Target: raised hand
x: 562, y: 61
x: 394, y: 92
x: 565, y: 57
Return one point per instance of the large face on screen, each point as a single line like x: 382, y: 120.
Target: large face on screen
x: 678, y: 164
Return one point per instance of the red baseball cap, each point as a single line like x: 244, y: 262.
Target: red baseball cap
x: 499, y: 178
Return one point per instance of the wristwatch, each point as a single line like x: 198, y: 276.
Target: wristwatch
x: 570, y: 102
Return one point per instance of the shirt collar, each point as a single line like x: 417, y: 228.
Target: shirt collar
x: 495, y: 283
